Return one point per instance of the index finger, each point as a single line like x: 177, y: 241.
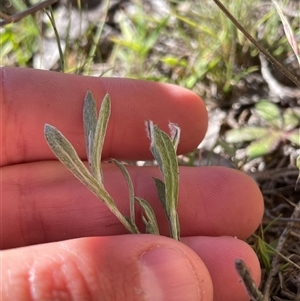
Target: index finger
x: 30, y: 98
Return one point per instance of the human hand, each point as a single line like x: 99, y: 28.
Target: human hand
x: 61, y: 243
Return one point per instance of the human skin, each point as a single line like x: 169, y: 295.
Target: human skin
x: 60, y: 243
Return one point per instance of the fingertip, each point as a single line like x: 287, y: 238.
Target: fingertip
x: 219, y: 255
x: 227, y: 202
x: 159, y: 102
x: 57, y: 99
x: 247, y: 204
x: 128, y: 267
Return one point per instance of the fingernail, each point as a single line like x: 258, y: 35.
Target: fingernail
x: 166, y: 274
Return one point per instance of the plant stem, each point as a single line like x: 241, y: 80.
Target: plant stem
x: 174, y: 225
x: 123, y: 220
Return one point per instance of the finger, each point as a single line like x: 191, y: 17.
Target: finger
x: 219, y: 255
x: 47, y: 203
x: 31, y: 98
x: 129, y: 267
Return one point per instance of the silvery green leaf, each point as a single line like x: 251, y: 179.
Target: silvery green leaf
x: 131, y: 191
x: 99, y: 137
x: 149, y: 218
x: 175, y: 134
x: 66, y: 153
x: 161, y: 191
x: 163, y: 146
x: 89, y: 122
x: 164, y: 152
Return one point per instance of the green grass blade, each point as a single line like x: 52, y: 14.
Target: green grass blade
x: 96, y: 39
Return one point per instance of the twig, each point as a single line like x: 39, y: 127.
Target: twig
x: 248, y: 281
x: 31, y: 10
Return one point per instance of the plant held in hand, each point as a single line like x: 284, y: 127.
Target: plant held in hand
x: 162, y: 147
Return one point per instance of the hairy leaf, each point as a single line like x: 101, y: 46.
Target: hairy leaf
x: 99, y: 137
x: 66, y: 153
x: 149, y: 218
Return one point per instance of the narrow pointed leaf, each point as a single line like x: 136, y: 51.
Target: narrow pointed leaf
x: 130, y: 188
x: 163, y: 145
x: 99, y: 137
x: 89, y: 122
x: 164, y: 152
x: 65, y: 152
x: 149, y: 218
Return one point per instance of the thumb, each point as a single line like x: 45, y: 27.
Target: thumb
x: 127, y: 267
